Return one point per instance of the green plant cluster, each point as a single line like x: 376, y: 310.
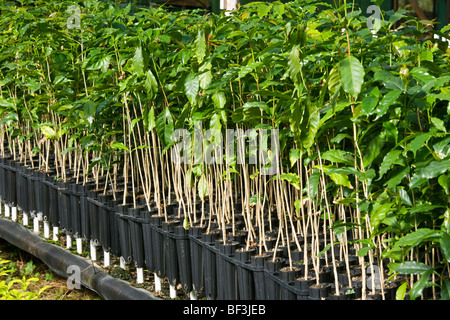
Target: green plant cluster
x: 17, y: 288
x: 362, y: 114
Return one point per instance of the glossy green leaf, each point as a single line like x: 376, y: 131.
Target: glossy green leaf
x: 387, y: 102
x: 150, y: 84
x: 338, y: 156
x: 432, y: 170
x: 200, y: 46
x: 391, y: 158
x: 369, y: 103
x: 119, y: 145
x: 445, y: 245
x: 352, y: 75
x: 292, y: 178
x: 191, y: 87
x: 202, y: 187
x: 412, y: 267
x: 294, y: 156
x: 418, y: 287
x: 341, y: 179
x: 165, y: 127
x: 438, y: 123
x: 138, y: 61
x: 378, y: 214
x: 401, y: 291
x: 445, y: 289
x: 417, y: 237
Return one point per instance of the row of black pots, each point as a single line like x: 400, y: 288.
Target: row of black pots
x: 191, y: 257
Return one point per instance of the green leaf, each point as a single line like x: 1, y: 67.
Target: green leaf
x: 339, y: 156
x: 186, y: 224
x: 150, y: 85
x: 202, y: 187
x: 138, y: 61
x: 401, y: 291
x: 412, y: 267
x: 90, y: 109
x: 244, y: 70
x: 445, y: 289
x: 445, y: 245
x: 49, y: 133
x: 444, y: 182
x: 200, y: 46
x: 352, y: 75
x: 363, y: 251
x: 432, y: 170
x: 418, y: 287
x: 373, y: 150
x: 151, y: 119
x: 292, y: 178
x: 294, y: 66
x: 219, y: 99
x: 294, y: 156
x: 404, y: 197
x: 418, y: 142
x: 391, y: 158
x: 191, y: 87
x: 164, y: 127
x: 369, y: 103
x: 422, y: 75
x: 378, y: 213
x: 391, y: 130
x: 341, y: 179
x: 119, y: 145
x: 417, y: 237
x: 388, y: 100
x: 334, y: 80
x: 314, y: 180
x: 438, y: 123
x: 205, y: 79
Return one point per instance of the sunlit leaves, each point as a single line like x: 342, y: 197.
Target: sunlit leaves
x: 352, y: 75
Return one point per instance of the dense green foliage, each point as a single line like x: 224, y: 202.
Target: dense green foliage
x: 17, y: 288
x: 362, y: 115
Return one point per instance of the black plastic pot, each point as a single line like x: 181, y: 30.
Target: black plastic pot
x: 259, y: 276
x: 92, y: 211
x: 2, y: 180
x: 137, y: 238
x: 184, y: 258
x: 288, y: 275
x: 158, y: 245
x: 74, y: 209
x: 226, y: 273
x: 147, y: 238
x: 195, y: 234
x: 84, y: 213
x: 22, y: 189
x: 31, y: 179
x: 63, y: 206
x: 170, y: 251
x: 210, y: 270
x: 11, y: 194
x: 53, y: 202
x: 319, y: 291
x: 123, y: 229
x: 303, y: 287
x: 273, y: 291
x: 246, y: 285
